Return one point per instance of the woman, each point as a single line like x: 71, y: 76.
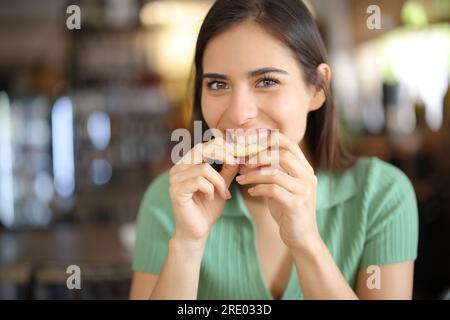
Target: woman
x: 324, y: 227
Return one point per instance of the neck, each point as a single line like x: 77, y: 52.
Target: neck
x: 305, y: 150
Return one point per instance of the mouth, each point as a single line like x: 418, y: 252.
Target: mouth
x: 248, y: 142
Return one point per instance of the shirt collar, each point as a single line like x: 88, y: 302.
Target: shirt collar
x: 333, y: 188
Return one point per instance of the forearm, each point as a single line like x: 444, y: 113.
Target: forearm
x: 318, y: 274
x: 179, y: 276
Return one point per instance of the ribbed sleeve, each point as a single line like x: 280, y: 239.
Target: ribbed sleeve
x: 154, y: 227
x: 392, y: 217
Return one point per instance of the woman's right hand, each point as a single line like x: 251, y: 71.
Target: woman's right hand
x: 198, y: 192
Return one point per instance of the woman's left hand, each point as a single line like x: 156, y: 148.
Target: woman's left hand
x: 290, y: 192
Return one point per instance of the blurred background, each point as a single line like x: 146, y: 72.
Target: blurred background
x: 86, y: 116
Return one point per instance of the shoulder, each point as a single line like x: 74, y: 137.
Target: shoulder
x: 389, y: 209
x: 156, y: 204
x: 157, y: 192
x: 154, y: 226
x: 385, y: 192
x: 377, y: 177
x: 376, y: 168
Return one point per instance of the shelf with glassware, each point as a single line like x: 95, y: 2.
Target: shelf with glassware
x: 120, y: 135
x: 121, y: 120
x: 26, y: 184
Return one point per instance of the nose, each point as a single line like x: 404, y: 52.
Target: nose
x: 243, y: 107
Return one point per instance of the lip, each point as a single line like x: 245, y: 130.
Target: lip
x: 249, y: 135
x: 247, y: 130
x: 247, y: 142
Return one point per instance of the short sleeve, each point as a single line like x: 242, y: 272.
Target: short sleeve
x: 392, y: 216
x: 154, y: 227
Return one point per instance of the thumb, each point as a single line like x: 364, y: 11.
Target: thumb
x: 228, y: 172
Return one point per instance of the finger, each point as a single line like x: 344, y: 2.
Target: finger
x: 215, y: 149
x: 286, y: 160
x: 272, y: 191
x: 228, y: 173
x: 178, y: 168
x: 294, y: 148
x: 193, y: 156
x: 219, y: 149
x: 281, y: 179
x: 206, y: 171
x: 196, y: 184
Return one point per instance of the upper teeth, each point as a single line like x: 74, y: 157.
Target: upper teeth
x: 253, y: 138
x: 250, y: 138
x: 240, y: 139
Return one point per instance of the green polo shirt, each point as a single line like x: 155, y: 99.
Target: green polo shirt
x: 366, y: 215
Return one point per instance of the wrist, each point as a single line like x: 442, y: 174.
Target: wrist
x: 311, y: 249
x: 191, y: 247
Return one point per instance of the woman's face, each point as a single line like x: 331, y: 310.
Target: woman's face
x: 252, y: 80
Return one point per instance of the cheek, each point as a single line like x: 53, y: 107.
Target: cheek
x: 293, y: 123
x: 289, y: 111
x: 212, y: 111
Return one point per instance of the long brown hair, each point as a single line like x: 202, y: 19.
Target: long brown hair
x: 290, y: 21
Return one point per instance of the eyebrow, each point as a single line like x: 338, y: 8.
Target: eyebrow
x: 250, y: 74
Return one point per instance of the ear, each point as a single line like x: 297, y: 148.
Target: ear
x: 317, y: 93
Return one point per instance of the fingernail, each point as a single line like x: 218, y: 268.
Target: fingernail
x: 240, y: 177
x: 251, y: 190
x: 228, y: 193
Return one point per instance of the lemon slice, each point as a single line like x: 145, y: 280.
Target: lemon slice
x: 245, y: 150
